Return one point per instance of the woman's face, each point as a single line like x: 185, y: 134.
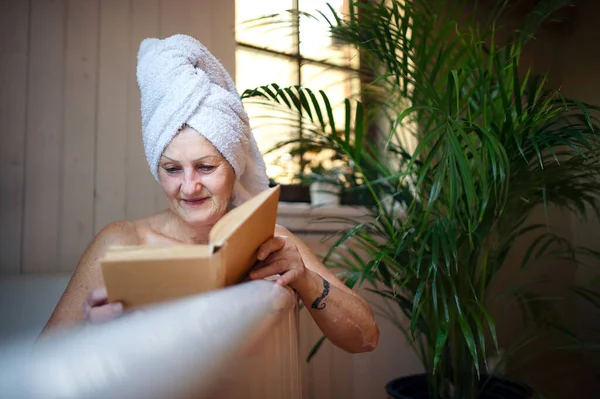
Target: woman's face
x: 196, y: 178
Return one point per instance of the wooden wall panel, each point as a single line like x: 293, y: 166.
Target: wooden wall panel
x: 323, y: 370
x: 341, y: 376
x: 44, y: 135
x: 14, y: 33
x: 77, y: 202
x: 318, y: 371
x: 198, y: 21
x: 142, y: 189
x: 111, y: 134
x: 172, y: 17
x: 304, y: 344
x: 221, y: 22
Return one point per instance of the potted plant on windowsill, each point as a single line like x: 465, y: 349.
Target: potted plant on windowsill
x: 321, y: 172
x: 327, y: 173
x: 493, y: 145
x: 324, y: 186
x: 336, y: 185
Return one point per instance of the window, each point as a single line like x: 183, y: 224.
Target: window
x: 290, y: 49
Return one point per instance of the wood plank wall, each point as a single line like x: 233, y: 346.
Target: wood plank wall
x: 14, y: 39
x: 71, y: 153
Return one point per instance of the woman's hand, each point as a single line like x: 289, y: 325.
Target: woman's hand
x: 97, y: 309
x: 342, y: 315
x: 279, y: 255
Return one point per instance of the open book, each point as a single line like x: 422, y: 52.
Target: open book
x: 141, y: 275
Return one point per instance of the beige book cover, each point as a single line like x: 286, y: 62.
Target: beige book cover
x: 141, y: 275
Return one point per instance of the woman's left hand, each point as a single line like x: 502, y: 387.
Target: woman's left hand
x: 279, y: 255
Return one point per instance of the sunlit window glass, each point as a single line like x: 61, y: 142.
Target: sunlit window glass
x: 286, y: 42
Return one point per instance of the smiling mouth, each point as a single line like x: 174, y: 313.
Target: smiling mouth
x: 197, y: 201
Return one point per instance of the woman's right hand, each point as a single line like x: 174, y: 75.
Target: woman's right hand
x: 96, y: 307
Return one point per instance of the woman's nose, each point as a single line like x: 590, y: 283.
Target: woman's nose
x: 191, y: 183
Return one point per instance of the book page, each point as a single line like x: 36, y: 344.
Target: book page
x: 243, y: 214
x: 241, y: 231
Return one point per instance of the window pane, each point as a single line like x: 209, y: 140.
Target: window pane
x: 315, y: 40
x: 254, y: 68
x: 336, y: 83
x: 269, y: 123
x: 273, y: 33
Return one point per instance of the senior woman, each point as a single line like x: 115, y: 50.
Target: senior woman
x: 201, y: 150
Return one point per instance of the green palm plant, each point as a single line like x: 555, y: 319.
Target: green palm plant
x: 493, y: 144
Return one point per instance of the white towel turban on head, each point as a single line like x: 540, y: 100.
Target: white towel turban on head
x: 181, y: 82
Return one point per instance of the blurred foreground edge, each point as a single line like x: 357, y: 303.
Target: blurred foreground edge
x: 240, y: 341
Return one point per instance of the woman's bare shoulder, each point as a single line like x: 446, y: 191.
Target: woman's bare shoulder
x: 121, y: 232
x: 129, y: 232
x: 87, y: 275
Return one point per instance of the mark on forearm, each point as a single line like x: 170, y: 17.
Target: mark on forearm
x: 317, y: 303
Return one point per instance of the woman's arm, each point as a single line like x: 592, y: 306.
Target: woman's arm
x: 342, y: 315
x: 86, y: 283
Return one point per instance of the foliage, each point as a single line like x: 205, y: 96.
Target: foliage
x: 493, y: 143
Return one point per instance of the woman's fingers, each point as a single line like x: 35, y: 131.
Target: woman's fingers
x: 289, y: 277
x: 277, y: 267
x: 97, y: 297
x: 105, y: 312
x: 276, y: 257
x: 96, y: 307
x: 286, y: 275
x: 271, y: 245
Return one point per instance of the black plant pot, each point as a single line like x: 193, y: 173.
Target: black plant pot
x: 357, y: 198
x: 294, y: 193
x: 415, y: 387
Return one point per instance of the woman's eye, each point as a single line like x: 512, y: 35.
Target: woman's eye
x: 206, y: 168
x: 172, y: 169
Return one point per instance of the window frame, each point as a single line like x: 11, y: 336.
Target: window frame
x: 299, y: 61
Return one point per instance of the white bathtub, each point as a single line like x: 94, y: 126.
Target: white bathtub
x: 26, y: 302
